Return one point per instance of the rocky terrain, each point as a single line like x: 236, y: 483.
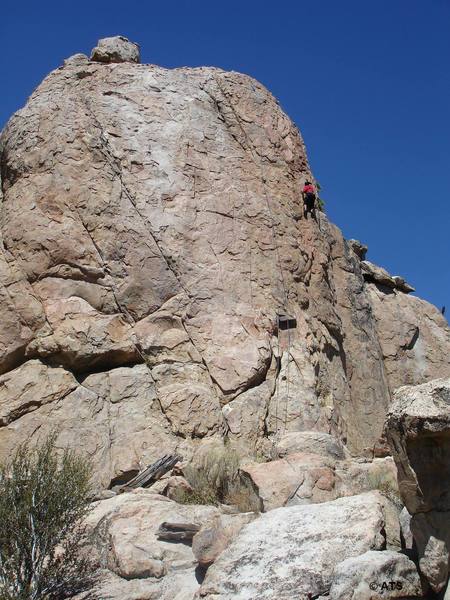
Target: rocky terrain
x: 150, y: 240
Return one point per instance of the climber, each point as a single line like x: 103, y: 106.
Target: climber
x: 309, y: 199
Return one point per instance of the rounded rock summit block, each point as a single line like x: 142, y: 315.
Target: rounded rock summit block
x: 116, y: 49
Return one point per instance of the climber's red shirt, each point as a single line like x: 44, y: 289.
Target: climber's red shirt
x: 308, y: 189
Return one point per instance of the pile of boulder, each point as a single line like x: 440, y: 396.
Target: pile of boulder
x: 318, y: 529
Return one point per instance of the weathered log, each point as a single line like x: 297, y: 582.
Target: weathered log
x: 177, y: 532
x: 152, y: 473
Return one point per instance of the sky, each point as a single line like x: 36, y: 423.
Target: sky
x: 367, y: 82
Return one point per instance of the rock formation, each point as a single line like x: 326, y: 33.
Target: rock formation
x: 290, y: 552
x: 418, y: 430
x: 150, y: 243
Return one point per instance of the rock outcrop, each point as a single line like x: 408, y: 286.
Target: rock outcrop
x: 216, y: 534
x: 418, y: 430
x: 148, y: 243
x: 286, y: 553
x: 292, y: 552
x: 315, y: 477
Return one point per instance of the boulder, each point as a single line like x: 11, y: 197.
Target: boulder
x: 418, y: 430
x: 177, y: 586
x: 405, y: 528
x: 375, y: 576
x: 175, y: 487
x: 305, y: 478
x: 290, y: 552
x: 299, y: 478
x: 434, y: 562
x: 357, y: 475
x: 216, y: 535
x: 76, y: 59
x: 402, y: 285
x: 125, y: 542
x: 117, y: 49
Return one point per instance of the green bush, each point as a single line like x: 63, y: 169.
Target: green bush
x: 42, y: 502
x: 320, y: 204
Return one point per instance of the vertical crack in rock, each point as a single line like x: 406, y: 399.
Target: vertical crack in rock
x: 117, y: 169
x: 121, y: 308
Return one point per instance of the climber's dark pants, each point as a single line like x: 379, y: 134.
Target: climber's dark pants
x: 309, y: 204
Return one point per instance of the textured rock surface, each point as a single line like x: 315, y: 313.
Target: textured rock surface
x: 434, y: 562
x: 296, y: 479
x: 358, y: 248
x: 376, y: 274
x: 312, y: 442
x: 136, y: 562
x: 414, y: 337
x: 116, y: 50
x: 147, y: 228
x: 305, y: 478
x: 369, y: 577
x: 418, y: 430
x: 113, y: 416
x: 290, y: 552
x: 405, y: 528
x: 216, y: 535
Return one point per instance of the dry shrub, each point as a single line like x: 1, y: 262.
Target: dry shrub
x: 215, y: 480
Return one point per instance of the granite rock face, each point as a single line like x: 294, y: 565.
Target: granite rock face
x: 147, y: 228
x: 418, y: 430
x: 115, y: 417
x: 413, y: 334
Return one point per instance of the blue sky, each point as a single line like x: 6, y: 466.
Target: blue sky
x: 367, y: 82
